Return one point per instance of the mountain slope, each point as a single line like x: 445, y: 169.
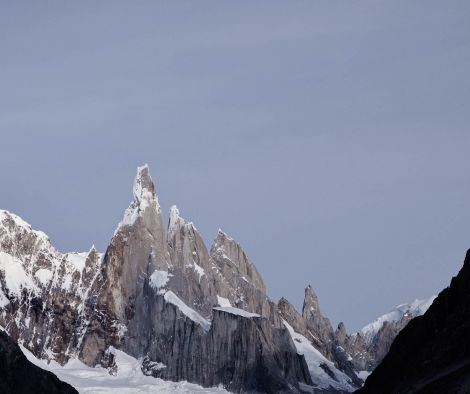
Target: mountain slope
x: 398, y: 314
x: 432, y: 353
x: 128, y: 378
x: 369, y: 346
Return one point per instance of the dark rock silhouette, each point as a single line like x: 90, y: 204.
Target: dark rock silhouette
x: 432, y: 353
x: 19, y: 376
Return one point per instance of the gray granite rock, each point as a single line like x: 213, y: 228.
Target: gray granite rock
x: 153, y: 294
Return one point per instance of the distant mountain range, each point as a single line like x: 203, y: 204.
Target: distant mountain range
x: 176, y: 310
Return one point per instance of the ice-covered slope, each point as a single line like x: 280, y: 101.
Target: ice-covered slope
x: 368, y: 347
x: 324, y: 373
x: 402, y: 311
x: 128, y: 378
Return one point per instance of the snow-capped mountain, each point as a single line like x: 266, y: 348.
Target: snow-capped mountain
x: 182, y: 311
x: 367, y: 347
x: 400, y: 313
x: 379, y: 335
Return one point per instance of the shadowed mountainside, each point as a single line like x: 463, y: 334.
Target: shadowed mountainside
x: 432, y: 353
x: 19, y: 376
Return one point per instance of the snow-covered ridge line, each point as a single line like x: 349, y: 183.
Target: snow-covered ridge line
x: 413, y: 309
x: 4, y: 214
x: 42, y: 236
x: 236, y: 311
x: 24, y: 268
x: 224, y: 234
x: 318, y: 365
x: 172, y: 298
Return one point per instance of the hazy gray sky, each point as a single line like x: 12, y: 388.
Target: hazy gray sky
x: 330, y: 138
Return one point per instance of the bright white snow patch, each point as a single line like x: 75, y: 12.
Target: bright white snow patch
x: 16, y: 279
x: 199, y: 270
x: 172, y: 298
x: 3, y: 299
x: 44, y: 276
x: 77, y: 260
x: 363, y: 374
x: 416, y: 308
x: 223, y: 302
x: 236, y: 311
x: 130, y: 216
x: 128, y: 380
x: 159, y: 279
x: 175, y: 222
x: 315, y: 359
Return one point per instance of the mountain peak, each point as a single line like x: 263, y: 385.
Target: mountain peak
x: 222, y: 236
x: 226, y: 250
x: 145, y: 197
x: 144, y: 188
x: 399, y: 313
x: 311, y: 307
x: 310, y: 295
x: 175, y: 221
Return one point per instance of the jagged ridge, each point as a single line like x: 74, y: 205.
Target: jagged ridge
x: 153, y: 296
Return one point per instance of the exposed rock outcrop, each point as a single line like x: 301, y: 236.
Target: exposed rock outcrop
x: 195, y: 277
x: 241, y: 351
x: 316, y: 322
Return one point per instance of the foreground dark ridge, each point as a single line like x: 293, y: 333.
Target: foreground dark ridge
x: 432, y: 353
x: 19, y: 376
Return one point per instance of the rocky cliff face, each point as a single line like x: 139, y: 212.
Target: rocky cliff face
x: 431, y: 354
x: 188, y: 312
x: 242, y: 351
